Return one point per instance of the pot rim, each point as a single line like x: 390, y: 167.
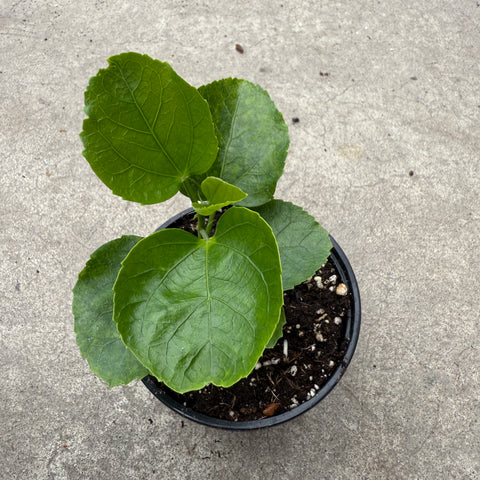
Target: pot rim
x: 352, y: 333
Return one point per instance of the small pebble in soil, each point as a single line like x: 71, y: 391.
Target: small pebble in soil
x: 342, y: 289
x: 271, y: 409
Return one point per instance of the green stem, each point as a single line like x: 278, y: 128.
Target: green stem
x: 187, y: 186
x: 211, y: 218
x: 201, y: 227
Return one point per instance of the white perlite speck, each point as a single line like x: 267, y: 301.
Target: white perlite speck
x: 342, y: 289
x: 293, y: 370
x: 311, y: 393
x: 319, y: 337
x: 337, y: 320
x: 273, y: 361
x: 318, y: 281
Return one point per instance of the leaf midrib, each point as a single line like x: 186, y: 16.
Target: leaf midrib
x: 157, y: 141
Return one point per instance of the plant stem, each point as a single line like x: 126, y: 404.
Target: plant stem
x: 211, y: 218
x: 201, y: 227
x: 192, y: 189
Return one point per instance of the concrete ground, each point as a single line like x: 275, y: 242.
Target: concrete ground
x: 381, y: 89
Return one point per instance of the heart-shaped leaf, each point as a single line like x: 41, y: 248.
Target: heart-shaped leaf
x: 97, y: 334
x: 304, y: 244
x: 253, y: 138
x: 147, y: 130
x: 218, y: 194
x: 198, y: 311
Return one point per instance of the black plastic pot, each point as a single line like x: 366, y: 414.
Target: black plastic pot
x: 352, y: 331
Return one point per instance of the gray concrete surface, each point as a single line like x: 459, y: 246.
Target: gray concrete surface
x: 380, y: 88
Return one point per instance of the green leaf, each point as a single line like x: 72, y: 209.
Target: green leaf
x: 147, y: 129
x: 253, y: 138
x: 198, y: 311
x: 304, y: 245
x: 218, y: 194
x: 278, y: 333
x: 97, y: 334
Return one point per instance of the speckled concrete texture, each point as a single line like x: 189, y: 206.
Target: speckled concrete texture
x: 385, y: 155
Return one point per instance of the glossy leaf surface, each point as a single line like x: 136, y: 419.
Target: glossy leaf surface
x: 217, y: 194
x: 304, y: 244
x: 97, y: 334
x: 147, y: 129
x: 253, y: 138
x: 198, y: 311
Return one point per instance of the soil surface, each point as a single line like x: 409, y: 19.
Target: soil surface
x: 314, y: 343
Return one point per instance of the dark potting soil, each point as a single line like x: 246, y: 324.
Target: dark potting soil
x: 315, y: 339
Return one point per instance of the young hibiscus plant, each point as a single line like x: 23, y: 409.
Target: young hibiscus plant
x: 189, y: 309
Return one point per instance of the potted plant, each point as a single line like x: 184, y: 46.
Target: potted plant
x: 200, y: 306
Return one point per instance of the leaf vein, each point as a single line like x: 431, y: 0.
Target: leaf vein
x: 131, y: 164
x: 152, y: 132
